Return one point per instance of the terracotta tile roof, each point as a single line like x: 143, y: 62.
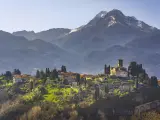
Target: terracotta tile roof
x: 17, y: 76
x: 21, y: 76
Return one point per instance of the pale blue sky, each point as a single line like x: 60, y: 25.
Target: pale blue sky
x: 40, y: 15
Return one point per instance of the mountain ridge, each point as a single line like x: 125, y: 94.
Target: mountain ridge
x: 104, y: 39
x: 46, y: 35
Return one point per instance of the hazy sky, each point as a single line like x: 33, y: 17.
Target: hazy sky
x: 40, y: 15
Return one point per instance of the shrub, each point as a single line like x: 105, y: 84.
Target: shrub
x: 11, y: 110
x: 48, y: 111
x: 32, y: 96
x: 33, y: 114
x: 147, y: 116
x: 8, y: 105
x: 42, y: 90
x: 44, y: 111
x: 83, y: 104
x: 151, y: 116
x: 73, y: 115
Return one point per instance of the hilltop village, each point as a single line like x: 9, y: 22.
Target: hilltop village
x: 118, y: 92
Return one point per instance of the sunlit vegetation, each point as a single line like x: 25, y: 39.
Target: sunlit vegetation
x: 32, y: 96
x: 147, y: 116
x: 47, y: 96
x: 59, y: 95
x: 117, y: 92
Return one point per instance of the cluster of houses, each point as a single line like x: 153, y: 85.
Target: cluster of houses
x: 69, y: 76
x: 21, y: 78
x: 118, y: 71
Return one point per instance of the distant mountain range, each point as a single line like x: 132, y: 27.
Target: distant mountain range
x: 106, y: 38
x: 48, y: 35
x: 18, y: 52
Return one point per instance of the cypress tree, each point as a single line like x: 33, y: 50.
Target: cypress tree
x: 153, y: 81
x: 38, y: 74
x: 97, y: 90
x: 105, y: 69
x: 31, y: 85
x: 78, y: 79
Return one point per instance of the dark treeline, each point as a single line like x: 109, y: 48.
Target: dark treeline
x: 52, y: 74
x: 9, y: 75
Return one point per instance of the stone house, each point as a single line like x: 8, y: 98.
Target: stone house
x: 20, y: 78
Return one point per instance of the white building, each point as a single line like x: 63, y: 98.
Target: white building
x: 17, y: 79
x: 126, y: 86
x: 121, y: 73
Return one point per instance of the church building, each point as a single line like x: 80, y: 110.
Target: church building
x: 119, y: 71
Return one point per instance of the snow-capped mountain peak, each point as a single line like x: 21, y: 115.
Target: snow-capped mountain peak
x: 112, y: 21
x: 116, y: 16
x: 139, y: 24
x: 101, y: 14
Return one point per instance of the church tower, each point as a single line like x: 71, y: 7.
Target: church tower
x: 120, y: 63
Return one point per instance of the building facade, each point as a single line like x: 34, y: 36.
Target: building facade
x: 119, y: 71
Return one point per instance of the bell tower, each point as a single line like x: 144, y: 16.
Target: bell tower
x: 120, y: 63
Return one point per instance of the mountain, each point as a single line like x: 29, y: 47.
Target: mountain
x: 100, y: 15
x: 112, y: 35
x: 30, y: 35
x: 104, y: 39
x: 47, y: 35
x: 149, y: 43
x: 105, y: 30
x: 18, y: 52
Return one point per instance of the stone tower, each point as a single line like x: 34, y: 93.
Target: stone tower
x: 120, y: 63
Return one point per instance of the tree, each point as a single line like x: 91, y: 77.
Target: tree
x: 132, y: 69
x: 17, y: 72
x: 54, y: 74
x: 8, y: 75
x: 78, y: 79
x: 109, y: 70
x: 85, y: 81
x: 47, y: 72
x: 153, y: 81
x: 136, y: 70
x: 142, y: 76
x: 42, y: 74
x: 146, y: 80
x: 105, y: 69
x: 106, y: 89
x: 38, y: 74
x: 63, y: 68
x: 97, y: 91
x: 31, y: 85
